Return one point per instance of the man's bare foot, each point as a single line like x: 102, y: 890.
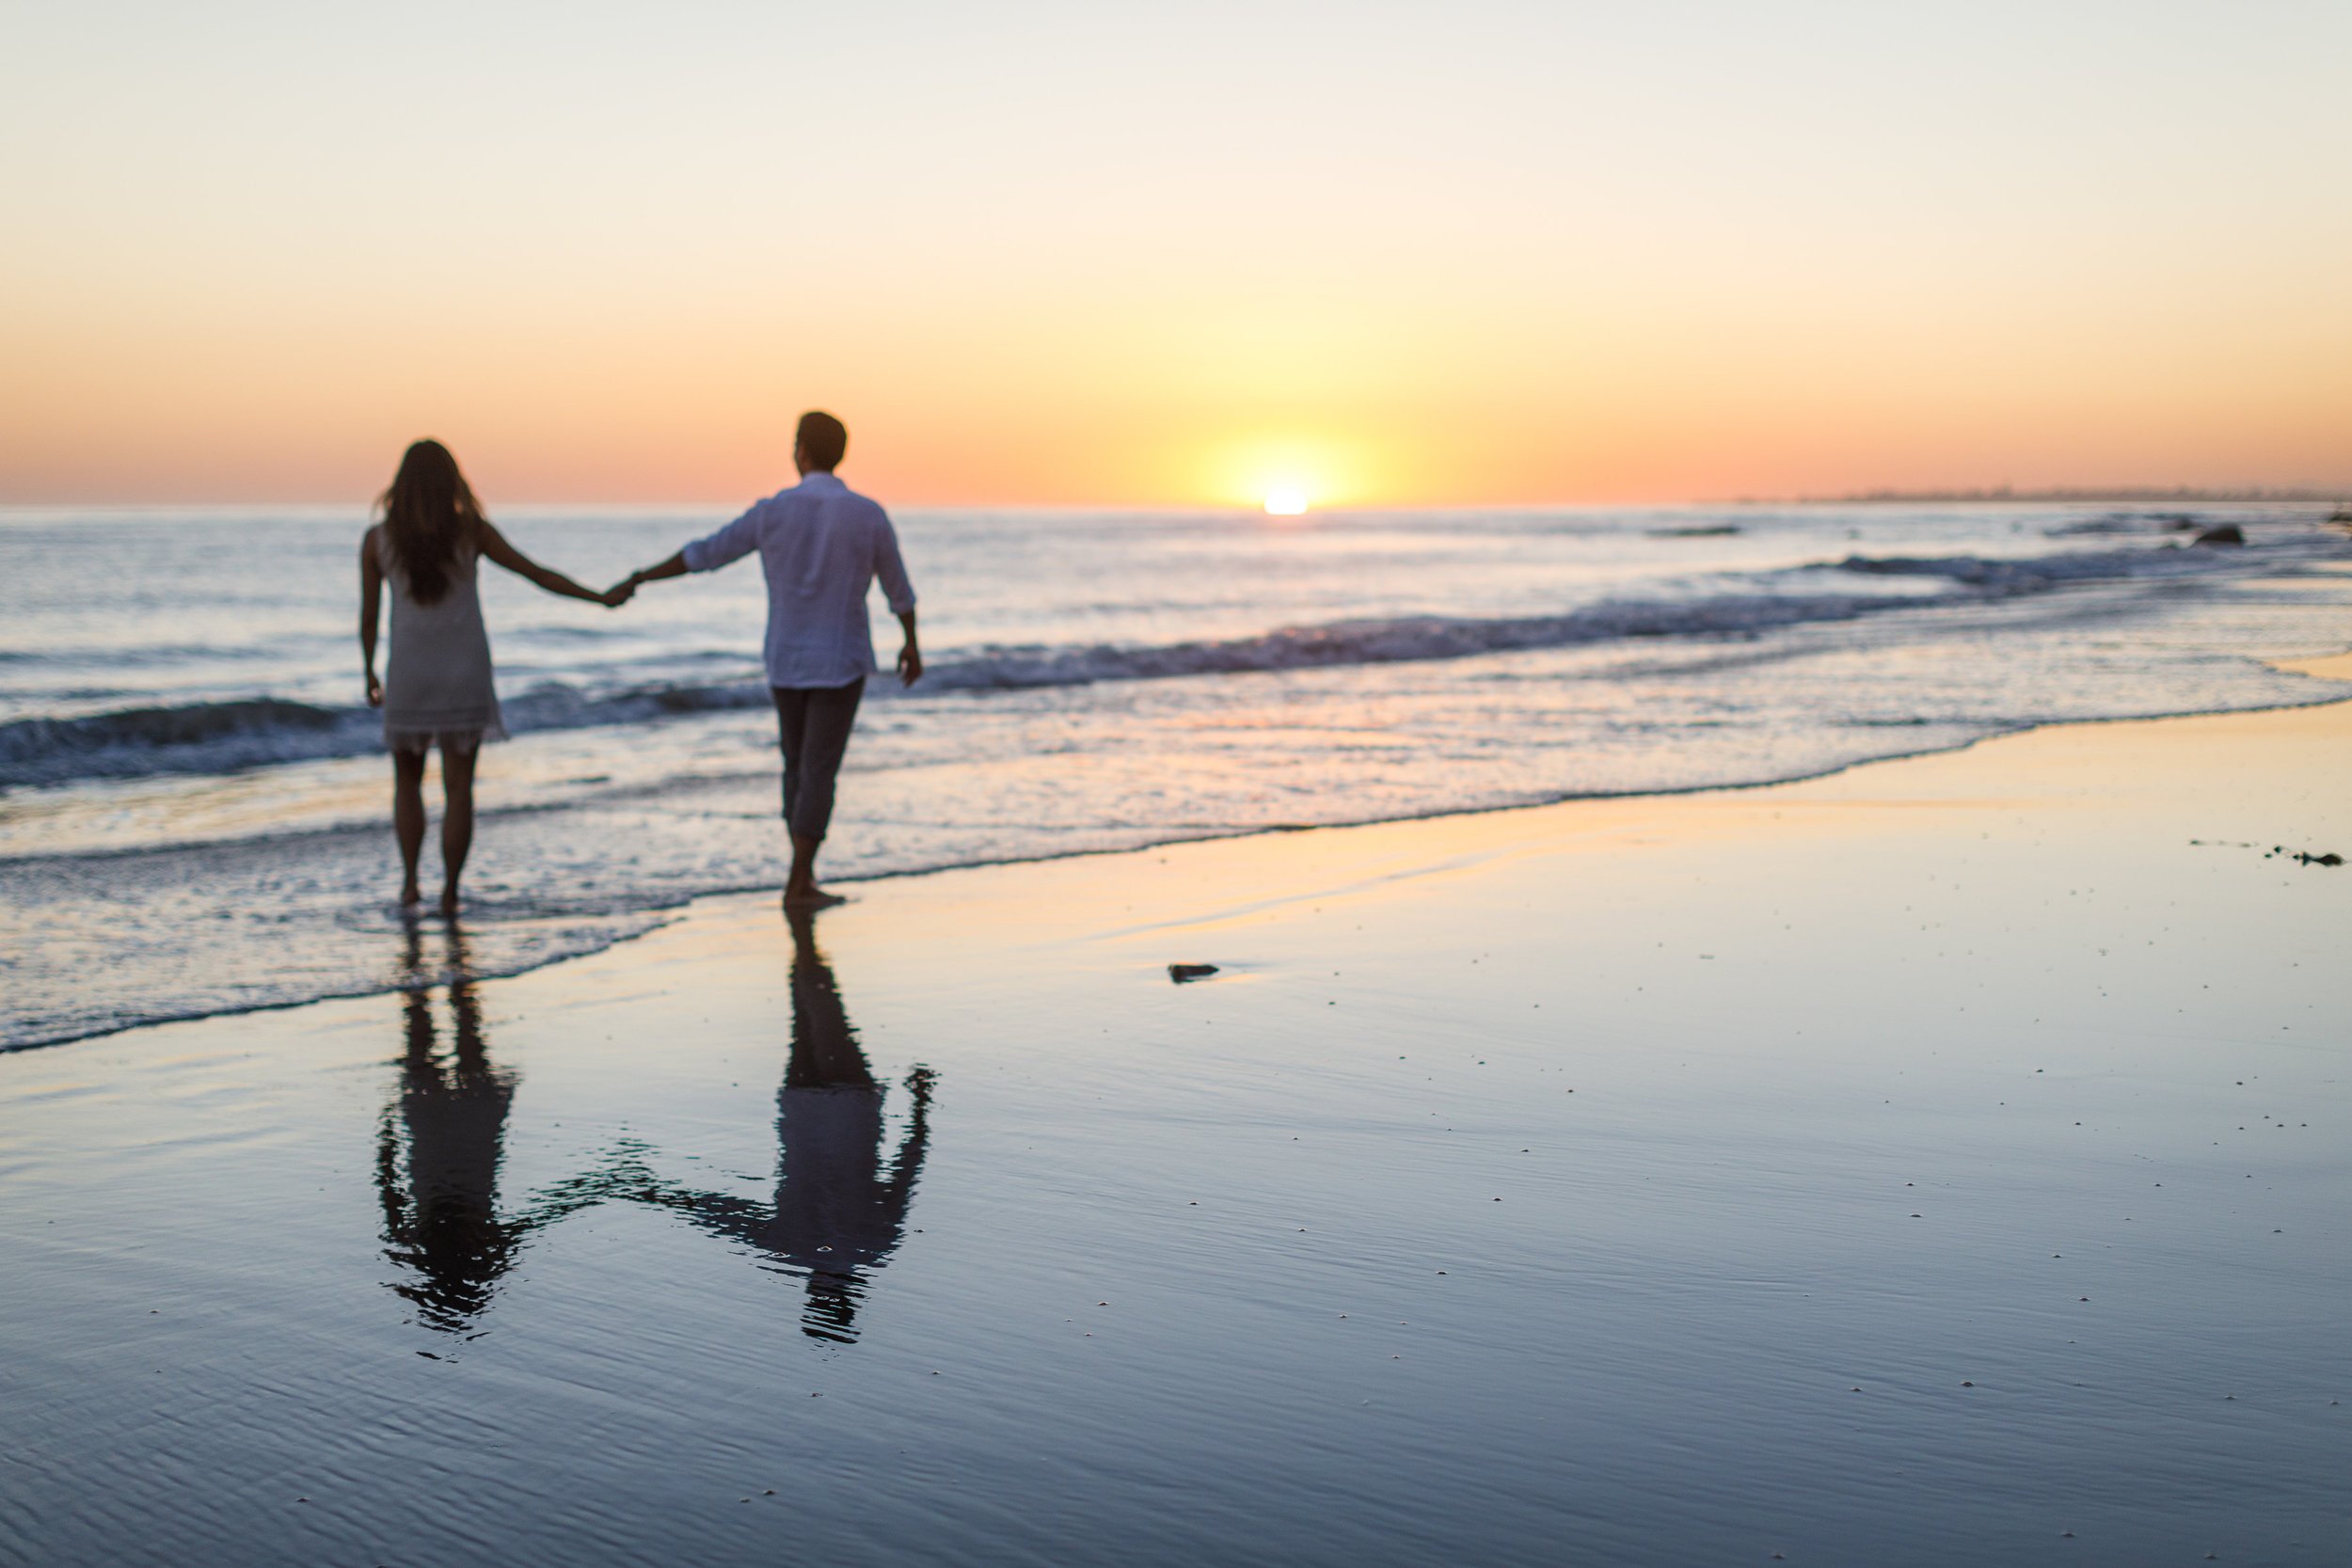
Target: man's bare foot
x: 449, y: 903
x: 410, y: 896
x: 811, y: 898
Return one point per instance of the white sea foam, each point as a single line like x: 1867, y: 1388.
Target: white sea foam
x: 189, y: 794
x: 244, y: 732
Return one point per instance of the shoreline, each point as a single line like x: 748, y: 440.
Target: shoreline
x: 2336, y: 668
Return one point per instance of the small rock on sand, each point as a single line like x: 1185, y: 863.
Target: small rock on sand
x: 1183, y: 973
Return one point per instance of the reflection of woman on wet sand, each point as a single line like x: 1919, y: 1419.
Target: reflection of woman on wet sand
x: 441, y: 1216
x: 840, y: 1207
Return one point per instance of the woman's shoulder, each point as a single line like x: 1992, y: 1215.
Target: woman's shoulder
x: 474, y: 538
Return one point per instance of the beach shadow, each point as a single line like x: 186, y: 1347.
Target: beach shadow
x: 842, y: 1191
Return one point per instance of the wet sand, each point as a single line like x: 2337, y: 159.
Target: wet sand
x: 1942, y: 1161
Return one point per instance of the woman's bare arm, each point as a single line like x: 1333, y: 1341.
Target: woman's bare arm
x: 371, y: 603
x: 494, y: 544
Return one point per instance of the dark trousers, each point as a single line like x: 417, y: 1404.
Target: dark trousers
x: 815, y: 724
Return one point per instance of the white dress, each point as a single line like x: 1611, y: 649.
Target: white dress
x: 436, y: 679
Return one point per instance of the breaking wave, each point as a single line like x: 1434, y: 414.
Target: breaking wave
x: 229, y: 736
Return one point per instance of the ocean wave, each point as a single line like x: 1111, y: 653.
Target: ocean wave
x: 230, y: 737
x: 2003, y: 577
x: 1404, y: 639
x: 2129, y: 522
x: 191, y: 737
x: 233, y: 737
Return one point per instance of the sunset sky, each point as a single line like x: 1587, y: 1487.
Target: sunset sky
x: 1385, y: 254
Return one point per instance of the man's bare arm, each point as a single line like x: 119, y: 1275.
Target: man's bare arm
x: 674, y: 567
x: 909, y: 653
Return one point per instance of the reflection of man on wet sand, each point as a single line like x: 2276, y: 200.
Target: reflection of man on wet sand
x: 840, y: 1206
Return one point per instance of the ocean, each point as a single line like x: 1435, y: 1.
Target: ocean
x: 194, y: 811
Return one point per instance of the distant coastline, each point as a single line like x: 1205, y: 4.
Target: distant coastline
x: 2126, y: 493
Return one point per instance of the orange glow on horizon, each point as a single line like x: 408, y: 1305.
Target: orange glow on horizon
x: 1537, y: 255
x: 116, y: 398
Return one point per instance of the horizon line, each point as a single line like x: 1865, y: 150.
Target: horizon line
x: 1993, y: 495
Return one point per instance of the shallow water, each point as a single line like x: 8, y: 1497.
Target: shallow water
x: 191, y: 800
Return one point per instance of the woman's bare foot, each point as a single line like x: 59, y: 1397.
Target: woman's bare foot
x: 410, y: 896
x: 449, y: 903
x: 811, y: 898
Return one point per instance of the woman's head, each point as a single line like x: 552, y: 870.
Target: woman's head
x: 428, y: 509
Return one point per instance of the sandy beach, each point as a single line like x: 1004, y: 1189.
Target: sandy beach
x: 1942, y: 1161
x: 1590, y: 764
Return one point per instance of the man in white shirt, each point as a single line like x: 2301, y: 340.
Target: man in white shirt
x: 821, y: 545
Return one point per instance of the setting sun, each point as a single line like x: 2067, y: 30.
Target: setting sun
x: 1285, y: 500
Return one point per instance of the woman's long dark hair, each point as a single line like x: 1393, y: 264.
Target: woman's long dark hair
x: 427, y: 513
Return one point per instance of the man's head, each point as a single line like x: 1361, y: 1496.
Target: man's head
x: 818, y: 445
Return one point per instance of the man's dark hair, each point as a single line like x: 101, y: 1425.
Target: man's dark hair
x: 823, y: 439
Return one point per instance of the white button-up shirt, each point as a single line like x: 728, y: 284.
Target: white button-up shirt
x: 822, y: 543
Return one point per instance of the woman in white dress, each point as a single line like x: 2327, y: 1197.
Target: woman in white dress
x: 437, y: 687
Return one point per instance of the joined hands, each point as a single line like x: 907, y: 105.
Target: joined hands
x: 618, y: 594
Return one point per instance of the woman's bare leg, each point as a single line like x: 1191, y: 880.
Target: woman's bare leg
x: 456, y: 818
x: 408, y: 819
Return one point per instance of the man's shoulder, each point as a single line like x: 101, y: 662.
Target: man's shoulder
x: 846, y: 503
x: 855, y: 497
x: 761, y: 510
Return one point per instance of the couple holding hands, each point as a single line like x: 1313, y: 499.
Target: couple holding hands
x: 821, y: 544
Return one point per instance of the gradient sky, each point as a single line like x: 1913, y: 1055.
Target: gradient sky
x: 1094, y: 253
